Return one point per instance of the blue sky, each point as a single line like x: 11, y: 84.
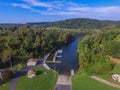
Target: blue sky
x: 23, y: 11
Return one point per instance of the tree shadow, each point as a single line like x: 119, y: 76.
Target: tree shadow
x: 19, y: 74
x: 3, y: 82
x: 39, y: 72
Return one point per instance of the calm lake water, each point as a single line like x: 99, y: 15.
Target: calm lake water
x: 69, y: 59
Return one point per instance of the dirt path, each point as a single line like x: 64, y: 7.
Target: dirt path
x: 105, y: 82
x: 116, y: 60
x: 63, y: 83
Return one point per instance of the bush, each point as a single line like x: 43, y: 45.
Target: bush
x: 7, y: 74
x: 112, y: 49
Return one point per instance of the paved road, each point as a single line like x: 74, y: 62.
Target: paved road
x: 105, y: 82
x: 63, y: 83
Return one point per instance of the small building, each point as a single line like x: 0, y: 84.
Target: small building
x: 32, y: 62
x: 31, y: 73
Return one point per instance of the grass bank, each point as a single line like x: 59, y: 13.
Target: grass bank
x: 46, y: 80
x: 5, y: 86
x: 108, y: 75
x: 86, y: 83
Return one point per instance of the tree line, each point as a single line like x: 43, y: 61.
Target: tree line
x: 93, y: 51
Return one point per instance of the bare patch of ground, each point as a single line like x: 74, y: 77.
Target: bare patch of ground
x: 116, y: 60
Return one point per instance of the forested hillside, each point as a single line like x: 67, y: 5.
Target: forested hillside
x: 20, y: 44
x: 74, y: 23
x: 93, y: 51
x: 78, y: 23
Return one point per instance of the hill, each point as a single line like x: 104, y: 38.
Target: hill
x: 6, y: 25
x: 76, y: 23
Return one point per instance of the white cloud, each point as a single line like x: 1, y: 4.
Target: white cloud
x: 22, y: 6
x: 89, y: 10
x: 110, y: 12
x: 79, y: 9
x: 37, y: 3
x: 107, y: 9
x: 65, y: 8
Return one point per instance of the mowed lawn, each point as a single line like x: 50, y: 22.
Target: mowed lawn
x: 5, y: 86
x: 86, y: 83
x: 46, y: 80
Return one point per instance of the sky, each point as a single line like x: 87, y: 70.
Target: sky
x: 24, y: 11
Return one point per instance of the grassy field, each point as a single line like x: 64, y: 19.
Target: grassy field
x: 5, y: 86
x: 108, y: 77
x: 44, y: 81
x: 116, y: 69
x: 86, y: 83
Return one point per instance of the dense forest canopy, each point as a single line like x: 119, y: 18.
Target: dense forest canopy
x: 74, y: 23
x: 93, y: 51
x: 20, y: 44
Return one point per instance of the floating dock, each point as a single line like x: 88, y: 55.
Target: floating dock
x: 58, y: 56
x: 60, y: 51
x: 53, y: 61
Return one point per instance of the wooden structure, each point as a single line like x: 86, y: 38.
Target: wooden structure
x: 32, y: 62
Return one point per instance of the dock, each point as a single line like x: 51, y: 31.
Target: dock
x: 60, y: 51
x: 53, y: 61
x: 54, y: 58
x: 58, y: 56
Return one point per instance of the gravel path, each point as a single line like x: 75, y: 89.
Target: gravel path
x: 13, y: 84
x: 105, y: 82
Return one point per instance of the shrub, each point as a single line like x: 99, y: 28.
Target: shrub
x: 7, y: 74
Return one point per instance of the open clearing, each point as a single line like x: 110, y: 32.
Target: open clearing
x: 5, y: 86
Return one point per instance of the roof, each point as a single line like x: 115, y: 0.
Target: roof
x: 32, y: 60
